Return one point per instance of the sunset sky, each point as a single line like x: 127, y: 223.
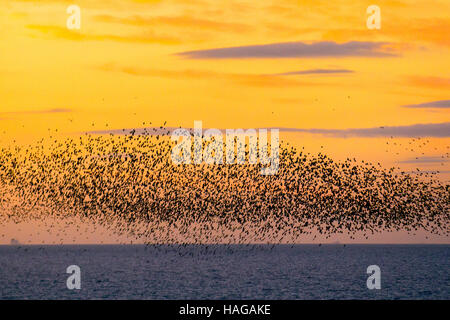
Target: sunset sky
x: 309, y: 67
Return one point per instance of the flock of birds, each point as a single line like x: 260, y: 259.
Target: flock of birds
x: 128, y: 183
x: 417, y: 146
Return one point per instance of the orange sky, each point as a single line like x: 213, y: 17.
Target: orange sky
x: 132, y: 61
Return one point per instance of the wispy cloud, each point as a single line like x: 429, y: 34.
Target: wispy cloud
x: 174, y: 21
x: 55, y: 110
x: 174, y: 74
x: 315, y: 71
x: 257, y: 80
x: 56, y: 32
x: 323, y: 49
x: 411, y: 30
x: 441, y: 104
x: 429, y: 82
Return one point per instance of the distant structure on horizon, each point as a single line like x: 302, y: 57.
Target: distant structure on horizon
x: 14, y: 242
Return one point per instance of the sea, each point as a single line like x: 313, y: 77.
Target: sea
x: 264, y: 272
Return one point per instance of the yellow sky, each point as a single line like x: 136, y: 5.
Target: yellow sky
x: 123, y: 61
x: 124, y: 67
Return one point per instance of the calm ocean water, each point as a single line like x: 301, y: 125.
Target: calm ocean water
x: 225, y: 272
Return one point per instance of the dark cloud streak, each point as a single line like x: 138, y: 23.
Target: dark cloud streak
x: 432, y: 159
x: 441, y: 104
x: 314, y: 71
x: 323, y: 49
x: 415, y: 130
